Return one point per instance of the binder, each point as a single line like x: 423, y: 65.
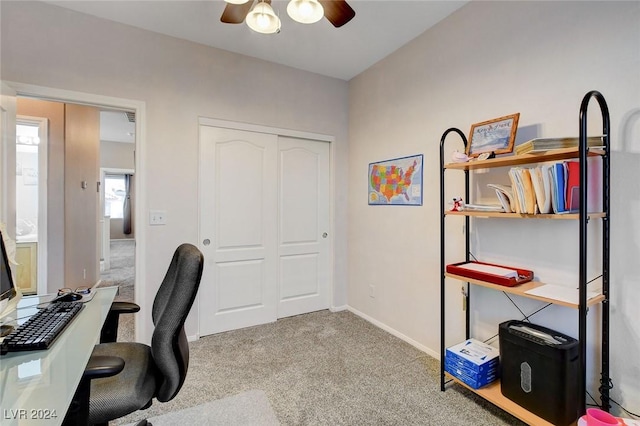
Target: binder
x: 572, y: 202
x: 558, y: 182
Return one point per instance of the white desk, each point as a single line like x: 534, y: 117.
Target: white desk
x: 36, y: 387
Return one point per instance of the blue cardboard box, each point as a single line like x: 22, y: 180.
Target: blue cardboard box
x: 473, y: 362
x: 476, y: 370
x: 473, y: 382
x: 459, y: 369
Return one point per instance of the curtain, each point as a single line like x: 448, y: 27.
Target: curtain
x: 126, y: 207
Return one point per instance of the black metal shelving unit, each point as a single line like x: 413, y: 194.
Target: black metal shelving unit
x: 492, y: 392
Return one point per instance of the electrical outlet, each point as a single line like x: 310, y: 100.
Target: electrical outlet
x: 157, y: 217
x: 372, y: 290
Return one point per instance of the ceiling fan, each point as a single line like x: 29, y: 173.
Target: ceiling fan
x: 338, y: 12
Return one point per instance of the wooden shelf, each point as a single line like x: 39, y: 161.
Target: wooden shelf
x: 568, y: 216
x: 493, y: 394
x: 516, y: 160
x: 520, y: 290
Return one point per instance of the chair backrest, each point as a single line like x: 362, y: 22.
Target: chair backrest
x: 171, y: 306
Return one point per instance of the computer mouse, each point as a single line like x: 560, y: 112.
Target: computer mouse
x: 68, y: 297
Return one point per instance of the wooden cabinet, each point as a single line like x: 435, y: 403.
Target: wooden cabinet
x: 492, y: 392
x: 27, y: 269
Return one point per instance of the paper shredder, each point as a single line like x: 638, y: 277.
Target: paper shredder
x: 539, y: 370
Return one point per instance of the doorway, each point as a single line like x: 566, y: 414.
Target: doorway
x: 117, y: 254
x: 15, y: 90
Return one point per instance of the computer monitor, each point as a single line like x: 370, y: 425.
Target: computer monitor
x: 9, y: 294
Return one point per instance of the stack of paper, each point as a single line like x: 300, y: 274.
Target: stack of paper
x: 490, y: 269
x: 483, y: 208
x: 546, y: 144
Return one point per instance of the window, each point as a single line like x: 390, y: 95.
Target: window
x: 114, y: 195
x: 27, y: 172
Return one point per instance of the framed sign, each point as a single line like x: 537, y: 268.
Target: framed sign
x: 497, y: 136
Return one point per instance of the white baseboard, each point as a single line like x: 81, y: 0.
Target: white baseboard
x: 396, y: 333
x: 339, y: 308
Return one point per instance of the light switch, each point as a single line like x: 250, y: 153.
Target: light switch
x: 157, y: 217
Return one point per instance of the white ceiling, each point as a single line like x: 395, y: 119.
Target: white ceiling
x: 379, y: 28
x: 116, y: 127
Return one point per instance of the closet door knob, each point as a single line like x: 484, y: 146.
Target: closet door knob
x: 206, y: 241
x: 325, y: 235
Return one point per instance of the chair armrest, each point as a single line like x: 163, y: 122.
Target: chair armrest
x: 103, y: 366
x: 124, y: 308
x: 109, y: 331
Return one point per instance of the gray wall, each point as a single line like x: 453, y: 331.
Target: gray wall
x: 487, y: 60
x: 179, y: 81
x: 117, y: 155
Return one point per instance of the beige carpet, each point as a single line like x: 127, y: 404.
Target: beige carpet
x: 327, y: 368
x: 122, y: 274
x: 250, y: 408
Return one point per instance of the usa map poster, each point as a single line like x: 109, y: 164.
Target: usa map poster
x: 396, y: 182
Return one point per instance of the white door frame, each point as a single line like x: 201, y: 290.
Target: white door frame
x: 140, y: 198
x: 7, y: 157
x: 43, y: 155
x: 214, y: 122
x: 105, y: 247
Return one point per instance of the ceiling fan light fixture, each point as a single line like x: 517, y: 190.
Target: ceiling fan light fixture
x: 305, y: 11
x: 236, y: 1
x: 263, y: 19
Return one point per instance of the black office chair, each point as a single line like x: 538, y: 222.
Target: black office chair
x: 111, y: 388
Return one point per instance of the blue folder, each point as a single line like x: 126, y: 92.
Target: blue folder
x: 559, y: 187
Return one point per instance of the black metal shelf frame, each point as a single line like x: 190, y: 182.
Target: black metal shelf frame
x: 582, y: 274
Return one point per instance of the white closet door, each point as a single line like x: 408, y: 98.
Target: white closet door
x: 238, y: 229
x: 303, y: 240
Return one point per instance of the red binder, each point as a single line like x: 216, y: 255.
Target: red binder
x: 572, y: 198
x: 524, y: 275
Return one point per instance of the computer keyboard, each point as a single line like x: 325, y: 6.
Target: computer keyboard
x: 41, y: 330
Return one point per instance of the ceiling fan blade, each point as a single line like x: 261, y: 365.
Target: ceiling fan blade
x: 338, y: 12
x: 235, y: 13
